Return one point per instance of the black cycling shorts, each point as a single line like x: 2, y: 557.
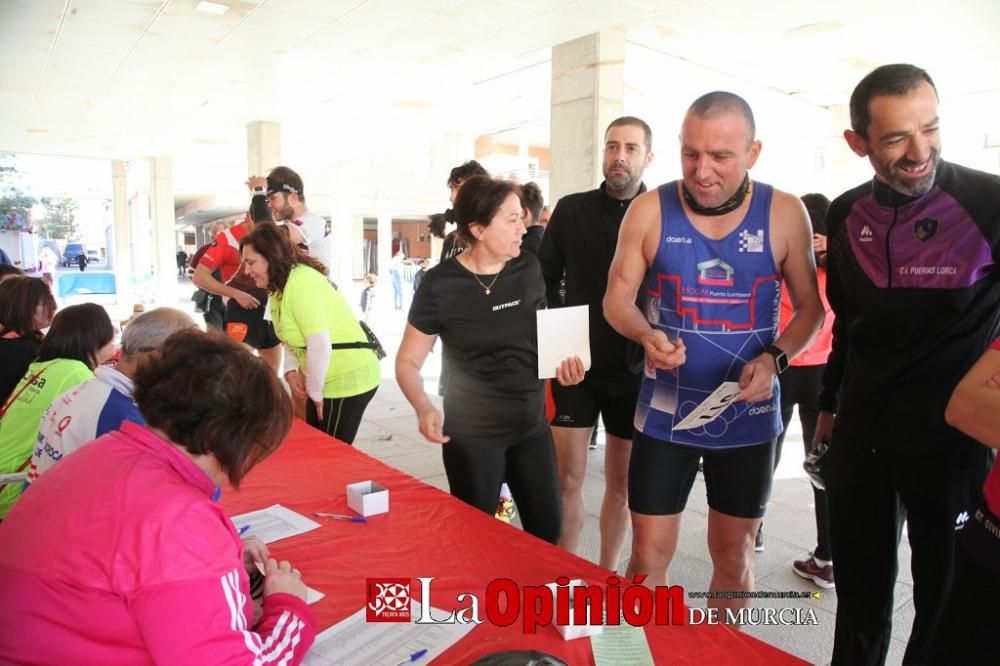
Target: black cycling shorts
x: 737, y: 480
x: 249, y: 326
x: 578, y: 406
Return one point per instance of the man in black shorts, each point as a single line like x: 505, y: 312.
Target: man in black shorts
x: 579, y: 243
x: 711, y: 250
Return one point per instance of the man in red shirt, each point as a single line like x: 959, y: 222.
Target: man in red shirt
x: 245, y: 302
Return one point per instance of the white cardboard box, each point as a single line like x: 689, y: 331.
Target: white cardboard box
x: 571, y: 631
x: 368, y: 498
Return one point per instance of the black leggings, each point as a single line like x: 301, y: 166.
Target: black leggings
x: 529, y: 468
x: 341, y: 416
x: 800, y: 385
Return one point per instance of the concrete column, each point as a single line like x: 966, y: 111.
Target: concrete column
x: 357, y: 239
x: 384, y: 240
x: 588, y: 89
x: 263, y: 146
x: 121, y: 252
x: 161, y: 205
x: 342, y: 228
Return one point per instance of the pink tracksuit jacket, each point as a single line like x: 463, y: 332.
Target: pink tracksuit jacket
x: 119, y: 555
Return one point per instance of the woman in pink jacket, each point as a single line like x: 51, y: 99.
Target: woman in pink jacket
x: 120, y: 553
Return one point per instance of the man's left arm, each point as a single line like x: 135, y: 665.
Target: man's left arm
x: 792, y: 244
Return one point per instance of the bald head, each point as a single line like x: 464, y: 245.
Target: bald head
x: 147, y: 332
x: 721, y: 103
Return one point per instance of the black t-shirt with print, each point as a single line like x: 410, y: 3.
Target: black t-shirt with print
x: 494, y: 396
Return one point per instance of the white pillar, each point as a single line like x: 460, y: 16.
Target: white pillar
x: 342, y: 228
x: 384, y: 242
x: 161, y: 204
x: 121, y: 253
x: 357, y: 239
x: 263, y: 147
x: 588, y: 89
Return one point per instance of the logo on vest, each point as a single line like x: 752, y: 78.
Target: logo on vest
x: 866, y: 234
x: 761, y: 409
x: 677, y: 239
x: 715, y: 272
x: 752, y: 242
x: 925, y: 229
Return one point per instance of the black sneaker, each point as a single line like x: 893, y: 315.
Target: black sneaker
x: 758, y: 542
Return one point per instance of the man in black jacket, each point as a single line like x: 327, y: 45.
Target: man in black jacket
x: 912, y: 281
x: 579, y: 244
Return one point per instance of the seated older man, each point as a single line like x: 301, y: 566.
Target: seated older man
x: 101, y: 405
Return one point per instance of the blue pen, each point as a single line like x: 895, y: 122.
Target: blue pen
x: 412, y: 658
x: 244, y: 529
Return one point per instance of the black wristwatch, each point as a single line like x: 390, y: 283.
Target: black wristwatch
x: 780, y: 358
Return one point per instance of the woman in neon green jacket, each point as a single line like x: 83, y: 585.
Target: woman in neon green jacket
x: 81, y: 338
x: 323, y: 361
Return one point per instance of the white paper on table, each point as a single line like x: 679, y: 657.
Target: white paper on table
x: 710, y: 407
x: 273, y: 523
x: 312, y: 596
x: 621, y: 644
x: 356, y: 641
x: 562, y: 332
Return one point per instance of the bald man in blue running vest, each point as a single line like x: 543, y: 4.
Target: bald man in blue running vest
x: 711, y: 251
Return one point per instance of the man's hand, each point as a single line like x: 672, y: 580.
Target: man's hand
x: 661, y: 352
x: 280, y: 577
x: 245, y: 300
x: 824, y: 429
x: 757, y: 379
x: 253, y: 182
x: 431, y: 423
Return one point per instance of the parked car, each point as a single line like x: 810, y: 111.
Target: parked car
x: 93, y: 257
x: 72, y: 251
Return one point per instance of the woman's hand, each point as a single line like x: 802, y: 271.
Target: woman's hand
x: 295, y: 383
x: 280, y: 577
x: 570, y: 371
x: 254, y: 551
x: 431, y: 423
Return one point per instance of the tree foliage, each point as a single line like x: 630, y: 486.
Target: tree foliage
x: 15, y: 203
x: 60, y: 218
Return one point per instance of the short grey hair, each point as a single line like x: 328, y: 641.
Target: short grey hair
x: 148, y: 331
x: 722, y: 103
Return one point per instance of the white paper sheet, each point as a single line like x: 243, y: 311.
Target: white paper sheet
x: 621, y: 645
x: 562, y: 332
x: 710, y: 407
x: 355, y: 641
x: 273, y: 523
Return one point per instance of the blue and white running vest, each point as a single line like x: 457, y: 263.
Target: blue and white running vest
x: 722, y: 298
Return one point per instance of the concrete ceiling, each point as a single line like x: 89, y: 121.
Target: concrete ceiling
x: 123, y: 79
